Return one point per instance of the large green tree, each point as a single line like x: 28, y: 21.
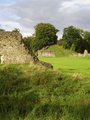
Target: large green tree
x: 76, y: 39
x: 45, y: 35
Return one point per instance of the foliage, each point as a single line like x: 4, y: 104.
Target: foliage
x: 45, y: 35
x: 76, y: 39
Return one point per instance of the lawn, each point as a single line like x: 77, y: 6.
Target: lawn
x: 70, y: 64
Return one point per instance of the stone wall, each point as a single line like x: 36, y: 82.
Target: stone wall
x: 12, y: 49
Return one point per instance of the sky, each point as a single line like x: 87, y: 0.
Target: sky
x: 25, y: 14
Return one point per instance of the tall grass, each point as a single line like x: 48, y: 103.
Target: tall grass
x: 34, y: 93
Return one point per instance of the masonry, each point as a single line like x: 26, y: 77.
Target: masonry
x: 12, y: 49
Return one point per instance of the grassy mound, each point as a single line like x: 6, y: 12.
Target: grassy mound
x: 34, y: 93
x: 59, y: 51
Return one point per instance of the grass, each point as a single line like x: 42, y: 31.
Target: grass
x: 36, y: 93
x: 70, y: 64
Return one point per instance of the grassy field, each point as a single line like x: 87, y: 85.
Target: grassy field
x: 66, y: 61
x: 70, y: 64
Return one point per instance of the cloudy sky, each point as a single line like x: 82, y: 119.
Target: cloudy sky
x: 25, y: 14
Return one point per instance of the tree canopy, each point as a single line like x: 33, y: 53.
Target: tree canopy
x: 76, y: 39
x: 45, y: 35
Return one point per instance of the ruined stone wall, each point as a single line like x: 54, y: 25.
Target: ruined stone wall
x: 12, y: 49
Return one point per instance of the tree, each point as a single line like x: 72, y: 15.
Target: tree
x: 73, y: 38
x: 45, y: 35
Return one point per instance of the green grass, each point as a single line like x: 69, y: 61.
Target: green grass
x: 36, y: 93
x: 70, y: 64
